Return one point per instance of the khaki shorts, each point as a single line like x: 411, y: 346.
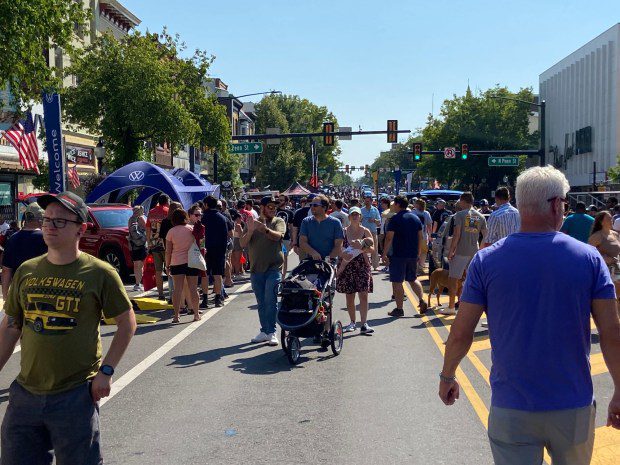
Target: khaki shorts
x: 518, y: 437
x: 159, y: 259
x: 458, y: 265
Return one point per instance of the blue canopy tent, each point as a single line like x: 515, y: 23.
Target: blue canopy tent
x: 185, y: 188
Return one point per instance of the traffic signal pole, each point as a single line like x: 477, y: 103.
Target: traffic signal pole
x: 297, y: 135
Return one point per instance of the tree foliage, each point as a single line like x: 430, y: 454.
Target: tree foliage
x: 140, y: 89
x: 27, y: 30
x: 42, y: 180
x: 484, y: 123
x: 291, y: 160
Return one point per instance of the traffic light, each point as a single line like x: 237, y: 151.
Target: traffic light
x: 464, y: 151
x: 328, y: 139
x: 392, y: 127
x: 417, y: 152
x: 367, y: 168
x: 346, y: 169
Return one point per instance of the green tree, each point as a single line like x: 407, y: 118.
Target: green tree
x: 27, y: 31
x: 42, y: 180
x: 484, y: 123
x: 297, y: 115
x: 279, y: 165
x: 140, y: 89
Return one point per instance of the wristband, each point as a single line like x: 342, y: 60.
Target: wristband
x: 447, y: 379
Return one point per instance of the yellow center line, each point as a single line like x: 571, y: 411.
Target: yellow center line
x: 472, y: 395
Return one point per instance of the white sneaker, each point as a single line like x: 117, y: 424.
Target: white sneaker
x: 261, y: 337
x: 137, y: 287
x: 273, y: 339
x: 349, y: 328
x: 448, y: 311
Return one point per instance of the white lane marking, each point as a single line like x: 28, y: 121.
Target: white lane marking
x: 141, y: 367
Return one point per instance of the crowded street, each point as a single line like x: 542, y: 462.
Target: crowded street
x: 201, y: 393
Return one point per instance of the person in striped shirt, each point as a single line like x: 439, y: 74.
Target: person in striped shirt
x: 504, y: 221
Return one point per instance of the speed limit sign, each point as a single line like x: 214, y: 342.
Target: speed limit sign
x: 449, y: 152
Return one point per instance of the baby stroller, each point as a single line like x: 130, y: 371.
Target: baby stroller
x: 305, y: 308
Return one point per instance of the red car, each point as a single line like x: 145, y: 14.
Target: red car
x: 107, y: 235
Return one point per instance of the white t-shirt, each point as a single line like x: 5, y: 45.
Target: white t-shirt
x: 616, y: 226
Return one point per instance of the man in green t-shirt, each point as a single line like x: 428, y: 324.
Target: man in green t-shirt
x: 263, y: 238
x: 55, y: 305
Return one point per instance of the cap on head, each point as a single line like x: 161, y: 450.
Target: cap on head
x: 441, y: 201
x: 355, y: 210
x: 33, y: 212
x: 69, y: 200
x: 267, y: 200
x: 484, y: 202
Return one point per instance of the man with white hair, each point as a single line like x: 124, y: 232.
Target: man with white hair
x: 539, y: 288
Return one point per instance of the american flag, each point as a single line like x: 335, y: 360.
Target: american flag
x: 23, y: 136
x: 74, y: 178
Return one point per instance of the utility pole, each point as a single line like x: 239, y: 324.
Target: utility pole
x: 543, y: 144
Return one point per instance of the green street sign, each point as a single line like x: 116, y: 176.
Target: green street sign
x: 247, y: 147
x: 503, y: 161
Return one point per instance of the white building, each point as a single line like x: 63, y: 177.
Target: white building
x: 582, y: 94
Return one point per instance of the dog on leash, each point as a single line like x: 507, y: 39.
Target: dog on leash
x: 440, y: 281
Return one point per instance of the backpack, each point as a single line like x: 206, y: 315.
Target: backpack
x: 137, y: 236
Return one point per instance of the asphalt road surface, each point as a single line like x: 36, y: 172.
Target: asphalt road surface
x: 201, y: 393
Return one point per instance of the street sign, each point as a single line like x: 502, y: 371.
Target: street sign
x: 449, y: 152
x: 345, y: 129
x: 247, y: 147
x: 273, y: 131
x: 503, y: 161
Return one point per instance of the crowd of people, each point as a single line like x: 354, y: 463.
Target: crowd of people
x: 527, y: 268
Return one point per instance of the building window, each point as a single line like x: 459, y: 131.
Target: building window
x: 58, y: 58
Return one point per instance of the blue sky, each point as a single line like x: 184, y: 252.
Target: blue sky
x: 370, y: 61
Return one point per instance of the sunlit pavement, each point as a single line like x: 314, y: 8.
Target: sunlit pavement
x: 201, y: 393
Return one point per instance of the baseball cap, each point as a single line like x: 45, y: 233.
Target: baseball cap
x: 311, y: 196
x: 69, y: 200
x: 267, y: 200
x: 440, y: 200
x: 484, y: 202
x: 33, y: 212
x: 355, y: 210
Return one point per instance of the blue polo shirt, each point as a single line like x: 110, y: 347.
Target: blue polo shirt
x: 578, y: 225
x: 537, y: 289
x: 322, y: 235
x: 368, y: 217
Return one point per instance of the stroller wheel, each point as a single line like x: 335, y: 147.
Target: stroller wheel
x: 294, y: 349
x: 335, y: 336
x: 284, y: 340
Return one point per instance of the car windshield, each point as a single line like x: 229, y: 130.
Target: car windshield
x: 112, y: 218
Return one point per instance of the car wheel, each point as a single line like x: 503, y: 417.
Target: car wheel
x: 115, y: 258
x: 38, y: 325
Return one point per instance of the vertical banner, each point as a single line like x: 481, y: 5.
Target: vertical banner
x: 53, y: 136
x: 409, y: 179
x: 397, y: 177
x: 314, y: 180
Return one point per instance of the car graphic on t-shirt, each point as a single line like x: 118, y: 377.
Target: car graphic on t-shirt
x: 42, y: 316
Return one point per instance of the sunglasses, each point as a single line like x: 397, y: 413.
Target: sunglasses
x: 564, y: 200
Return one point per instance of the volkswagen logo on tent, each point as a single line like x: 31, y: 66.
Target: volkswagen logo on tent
x: 136, y: 176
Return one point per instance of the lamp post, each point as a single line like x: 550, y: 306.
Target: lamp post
x: 542, y: 105
x: 100, y: 154
x: 232, y: 98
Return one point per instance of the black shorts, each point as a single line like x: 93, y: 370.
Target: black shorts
x: 176, y: 270
x: 216, y: 261
x: 139, y: 254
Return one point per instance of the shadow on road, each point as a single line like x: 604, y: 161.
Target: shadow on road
x: 267, y: 363
x: 209, y: 356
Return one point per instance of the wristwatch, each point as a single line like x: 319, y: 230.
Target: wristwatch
x: 107, y: 370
